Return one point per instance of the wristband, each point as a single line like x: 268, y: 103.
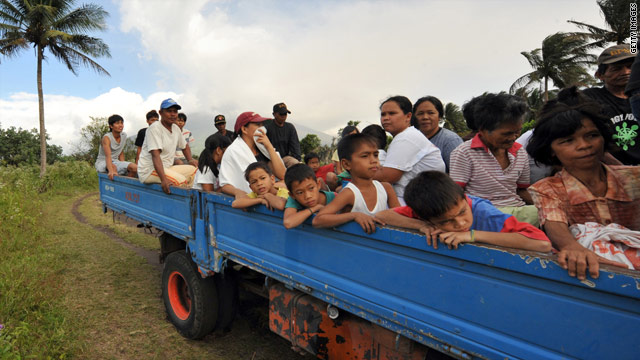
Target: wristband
x: 311, y: 211
x: 473, y: 235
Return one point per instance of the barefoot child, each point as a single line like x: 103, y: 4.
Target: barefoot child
x: 438, y: 207
x: 305, y: 196
x: 363, y: 196
x: 263, y: 189
x: 110, y: 155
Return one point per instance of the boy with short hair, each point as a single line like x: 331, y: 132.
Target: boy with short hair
x: 305, y: 196
x: 324, y: 173
x: 188, y: 137
x: 263, y: 190
x: 110, y: 155
x: 363, y: 196
x: 152, y: 116
x: 438, y: 207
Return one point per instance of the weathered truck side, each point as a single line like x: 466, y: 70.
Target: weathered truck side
x: 341, y: 293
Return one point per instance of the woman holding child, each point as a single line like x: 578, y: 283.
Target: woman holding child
x: 410, y: 152
x: 574, y: 137
x: 492, y: 165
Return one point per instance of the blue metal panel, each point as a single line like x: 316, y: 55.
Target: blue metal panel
x: 175, y: 213
x: 487, y: 301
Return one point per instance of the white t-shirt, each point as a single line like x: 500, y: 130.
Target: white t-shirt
x: 412, y: 153
x: 159, y: 138
x: 207, y: 178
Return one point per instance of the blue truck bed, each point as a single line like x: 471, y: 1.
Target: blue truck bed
x: 475, y: 302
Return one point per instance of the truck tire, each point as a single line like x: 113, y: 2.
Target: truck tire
x: 227, y: 286
x: 191, y: 301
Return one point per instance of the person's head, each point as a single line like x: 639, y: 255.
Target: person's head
x: 116, y: 123
x: 570, y: 132
x: 439, y: 201
x: 358, y: 154
x: 169, y: 112
x: 246, y: 125
x: 280, y: 112
x: 348, y: 130
x: 614, y: 66
x: 220, y: 122
x: 498, y: 119
x: 427, y: 112
x: 259, y: 177
x: 312, y: 160
x: 378, y: 133
x: 395, y: 114
x: 182, y: 119
x: 303, y: 185
x: 152, y: 116
x: 211, y: 155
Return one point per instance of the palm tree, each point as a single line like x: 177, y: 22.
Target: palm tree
x: 561, y: 59
x: 453, y: 119
x: 617, y: 19
x: 54, y: 25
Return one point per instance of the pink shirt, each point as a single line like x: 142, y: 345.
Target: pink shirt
x: 475, y: 168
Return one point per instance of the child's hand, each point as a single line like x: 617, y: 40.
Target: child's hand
x: 452, y: 239
x: 316, y: 208
x: 265, y: 202
x: 431, y: 234
x: 112, y: 174
x: 367, y: 222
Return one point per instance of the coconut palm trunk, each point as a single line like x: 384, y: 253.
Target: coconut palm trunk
x: 43, y: 132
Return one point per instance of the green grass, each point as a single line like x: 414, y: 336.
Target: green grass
x: 69, y: 291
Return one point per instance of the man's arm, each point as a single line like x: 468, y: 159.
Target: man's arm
x: 106, y: 148
x: 157, y: 165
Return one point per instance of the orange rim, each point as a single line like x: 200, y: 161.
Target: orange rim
x: 179, y: 298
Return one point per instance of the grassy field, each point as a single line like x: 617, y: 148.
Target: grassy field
x: 68, y: 290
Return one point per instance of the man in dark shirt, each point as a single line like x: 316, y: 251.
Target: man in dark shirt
x: 152, y: 116
x: 283, y: 135
x: 614, y: 68
x: 220, y: 123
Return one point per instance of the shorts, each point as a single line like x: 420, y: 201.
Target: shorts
x: 121, y: 166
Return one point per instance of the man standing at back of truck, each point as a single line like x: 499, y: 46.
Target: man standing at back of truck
x: 159, y: 149
x: 283, y: 135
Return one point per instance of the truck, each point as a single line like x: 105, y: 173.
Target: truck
x: 343, y: 294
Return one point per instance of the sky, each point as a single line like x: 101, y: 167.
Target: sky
x: 329, y: 61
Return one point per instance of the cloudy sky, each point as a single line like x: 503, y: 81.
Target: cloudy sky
x: 330, y: 61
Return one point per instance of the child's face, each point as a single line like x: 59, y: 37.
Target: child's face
x: 260, y: 181
x: 314, y: 164
x: 180, y: 123
x: 457, y: 219
x: 364, y: 161
x: 152, y: 120
x: 117, y: 126
x: 306, y: 192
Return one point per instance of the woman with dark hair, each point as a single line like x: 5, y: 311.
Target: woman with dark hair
x: 207, y: 175
x: 410, y: 152
x: 575, y: 137
x: 427, y: 114
x: 492, y: 165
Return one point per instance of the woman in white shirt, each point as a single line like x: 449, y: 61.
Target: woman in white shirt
x: 410, y: 152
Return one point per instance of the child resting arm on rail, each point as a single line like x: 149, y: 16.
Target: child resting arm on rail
x: 363, y: 196
x: 262, y: 183
x: 305, y: 196
x: 438, y: 207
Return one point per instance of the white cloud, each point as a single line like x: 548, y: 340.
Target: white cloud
x: 66, y: 115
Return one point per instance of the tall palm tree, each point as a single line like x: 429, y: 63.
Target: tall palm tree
x: 453, y: 119
x: 561, y: 59
x: 616, y: 17
x: 54, y: 25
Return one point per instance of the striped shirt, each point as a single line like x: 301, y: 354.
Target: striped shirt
x: 475, y: 168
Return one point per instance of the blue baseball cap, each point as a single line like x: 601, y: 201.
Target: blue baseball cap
x: 167, y: 103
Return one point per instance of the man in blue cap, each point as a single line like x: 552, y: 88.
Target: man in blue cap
x: 163, y: 137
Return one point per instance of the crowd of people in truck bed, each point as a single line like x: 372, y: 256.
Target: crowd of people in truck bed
x: 569, y: 185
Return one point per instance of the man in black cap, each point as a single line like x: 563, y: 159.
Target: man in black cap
x: 283, y: 135
x: 220, y: 123
x: 614, y: 69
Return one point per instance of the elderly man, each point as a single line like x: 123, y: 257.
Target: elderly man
x: 283, y: 135
x: 614, y: 69
x: 159, y: 149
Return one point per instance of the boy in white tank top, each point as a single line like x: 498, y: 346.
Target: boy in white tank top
x: 363, y: 197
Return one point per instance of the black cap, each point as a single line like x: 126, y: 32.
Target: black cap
x: 281, y: 108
